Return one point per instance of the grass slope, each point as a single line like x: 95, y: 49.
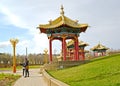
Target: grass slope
x: 103, y: 71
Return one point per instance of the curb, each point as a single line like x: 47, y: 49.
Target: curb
x: 52, y: 81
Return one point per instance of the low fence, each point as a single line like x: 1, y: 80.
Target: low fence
x: 52, y: 81
x: 58, y: 65
x: 63, y: 64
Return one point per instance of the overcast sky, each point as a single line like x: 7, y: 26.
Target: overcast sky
x: 19, y: 19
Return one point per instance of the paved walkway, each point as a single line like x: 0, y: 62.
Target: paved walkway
x: 35, y: 79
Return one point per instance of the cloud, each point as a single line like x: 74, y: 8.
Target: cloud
x: 103, y: 17
x: 11, y: 18
x: 4, y: 44
x: 38, y: 41
x: 21, y: 46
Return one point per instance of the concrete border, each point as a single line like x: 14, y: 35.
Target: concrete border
x: 52, y: 81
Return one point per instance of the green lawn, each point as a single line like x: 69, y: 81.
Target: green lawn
x: 8, y: 79
x: 102, y: 71
x: 20, y: 67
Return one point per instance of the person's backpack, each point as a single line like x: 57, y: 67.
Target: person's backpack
x: 27, y: 67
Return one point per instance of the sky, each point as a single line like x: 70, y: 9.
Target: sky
x: 19, y: 19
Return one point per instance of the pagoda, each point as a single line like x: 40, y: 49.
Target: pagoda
x: 99, y: 50
x: 71, y: 49
x: 63, y: 28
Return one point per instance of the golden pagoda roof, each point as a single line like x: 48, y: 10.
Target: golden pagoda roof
x: 62, y: 21
x: 81, y: 43
x: 99, y: 47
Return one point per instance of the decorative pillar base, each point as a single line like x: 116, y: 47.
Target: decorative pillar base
x: 14, y: 69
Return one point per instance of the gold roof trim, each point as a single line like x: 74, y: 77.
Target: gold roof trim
x: 63, y: 20
x: 99, y: 47
x: 81, y: 43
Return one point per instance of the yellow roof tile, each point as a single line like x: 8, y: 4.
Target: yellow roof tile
x: 99, y: 47
x: 62, y: 21
x: 81, y: 43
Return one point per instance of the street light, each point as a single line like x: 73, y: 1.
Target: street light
x: 14, y: 42
x: 45, y: 51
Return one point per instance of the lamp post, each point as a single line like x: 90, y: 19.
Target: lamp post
x: 45, y: 51
x: 14, y: 42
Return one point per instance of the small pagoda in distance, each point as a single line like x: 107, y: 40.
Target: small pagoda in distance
x: 63, y: 28
x: 99, y: 50
x: 71, y: 48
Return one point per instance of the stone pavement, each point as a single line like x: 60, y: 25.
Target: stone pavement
x: 35, y: 78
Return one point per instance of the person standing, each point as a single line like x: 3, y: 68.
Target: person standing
x: 26, y: 67
x: 23, y: 69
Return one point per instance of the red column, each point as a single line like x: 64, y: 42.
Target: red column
x: 76, y: 53
x: 77, y: 49
x: 50, y: 49
x: 64, y: 48
x: 94, y: 53
x: 70, y: 55
x: 83, y: 54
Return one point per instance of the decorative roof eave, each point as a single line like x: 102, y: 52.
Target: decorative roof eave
x: 99, y: 47
x: 85, y: 44
x: 48, y: 26
x: 66, y: 22
x: 81, y: 43
x: 62, y: 21
x: 44, y: 28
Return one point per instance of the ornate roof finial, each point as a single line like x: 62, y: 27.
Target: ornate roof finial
x: 62, y: 11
